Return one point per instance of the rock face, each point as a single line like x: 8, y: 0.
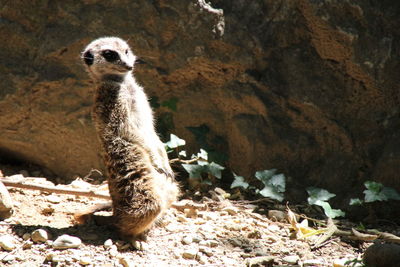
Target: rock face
x: 308, y: 87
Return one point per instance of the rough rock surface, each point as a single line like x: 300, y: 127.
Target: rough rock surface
x: 308, y: 87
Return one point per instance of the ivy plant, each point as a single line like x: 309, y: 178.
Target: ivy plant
x: 320, y: 197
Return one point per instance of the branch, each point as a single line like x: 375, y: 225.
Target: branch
x: 184, y: 161
x: 52, y: 189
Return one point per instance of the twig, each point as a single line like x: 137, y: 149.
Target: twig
x: 52, y: 189
x: 184, y: 161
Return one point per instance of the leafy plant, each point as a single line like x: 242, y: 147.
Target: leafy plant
x: 274, y: 184
x: 238, y: 181
x: 320, y: 197
x: 198, y: 166
x: 376, y: 192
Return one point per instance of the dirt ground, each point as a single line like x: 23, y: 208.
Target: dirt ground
x: 211, y: 231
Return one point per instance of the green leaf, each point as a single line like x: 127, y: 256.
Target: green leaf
x: 202, y: 154
x: 318, y: 194
x: 194, y: 170
x: 332, y: 213
x: 391, y: 193
x: 175, y: 142
x: 275, y: 184
x: 182, y: 153
x: 238, y: 181
x: 377, y: 192
x: 265, y: 175
x: 215, y: 169
x: 271, y: 192
x: 278, y: 182
x: 373, y: 186
x: 170, y: 103
x: 356, y: 202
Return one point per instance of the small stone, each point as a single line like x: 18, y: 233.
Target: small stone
x: 126, y: 262
x: 206, y: 251
x: 186, y: 240
x: 209, y: 243
x: 108, y: 243
x: 190, y: 213
x: 85, y: 260
x: 189, y: 254
x: 260, y: 261
x: 47, y: 210
x: 66, y: 241
x: 313, y: 262
x: 8, y: 258
x: 231, y: 210
x: 27, y: 245
x: 140, y: 245
x: 26, y: 236
x: 81, y: 184
x: 277, y: 215
x: 255, y: 234
x: 219, y: 191
x: 181, y: 218
x: 291, y: 259
x: 6, y: 203
x: 7, y: 242
x: 53, y: 199
x: 201, y: 258
x: 171, y: 228
x: 39, y: 236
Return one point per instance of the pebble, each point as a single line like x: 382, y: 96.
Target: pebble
x: 6, y: 203
x: 231, y: 210
x: 206, y: 251
x: 201, y: 258
x: 113, y: 250
x: 85, y: 260
x: 313, y: 262
x: 277, y: 215
x: 126, y: 262
x: 81, y: 184
x: 186, y: 240
x: 53, y: 199
x: 293, y: 259
x: 189, y: 254
x: 8, y: 258
x: 39, y: 236
x: 66, y: 241
x: 26, y: 236
x: 7, y: 242
x: 181, y: 218
x: 190, y: 213
x: 260, y: 261
x: 108, y: 243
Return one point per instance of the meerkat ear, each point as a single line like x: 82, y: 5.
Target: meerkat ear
x: 88, y: 58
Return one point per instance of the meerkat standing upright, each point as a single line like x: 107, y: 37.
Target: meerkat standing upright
x: 140, y: 179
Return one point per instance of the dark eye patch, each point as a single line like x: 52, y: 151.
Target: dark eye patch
x: 110, y: 55
x: 88, y: 58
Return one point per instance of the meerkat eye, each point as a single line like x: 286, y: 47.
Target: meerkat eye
x: 88, y: 58
x: 110, y: 55
x: 126, y: 52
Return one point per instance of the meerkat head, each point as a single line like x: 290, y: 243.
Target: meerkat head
x: 108, y: 57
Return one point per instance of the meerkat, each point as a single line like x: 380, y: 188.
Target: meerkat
x: 141, y: 182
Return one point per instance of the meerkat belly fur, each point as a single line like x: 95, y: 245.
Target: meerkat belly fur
x: 140, y: 179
